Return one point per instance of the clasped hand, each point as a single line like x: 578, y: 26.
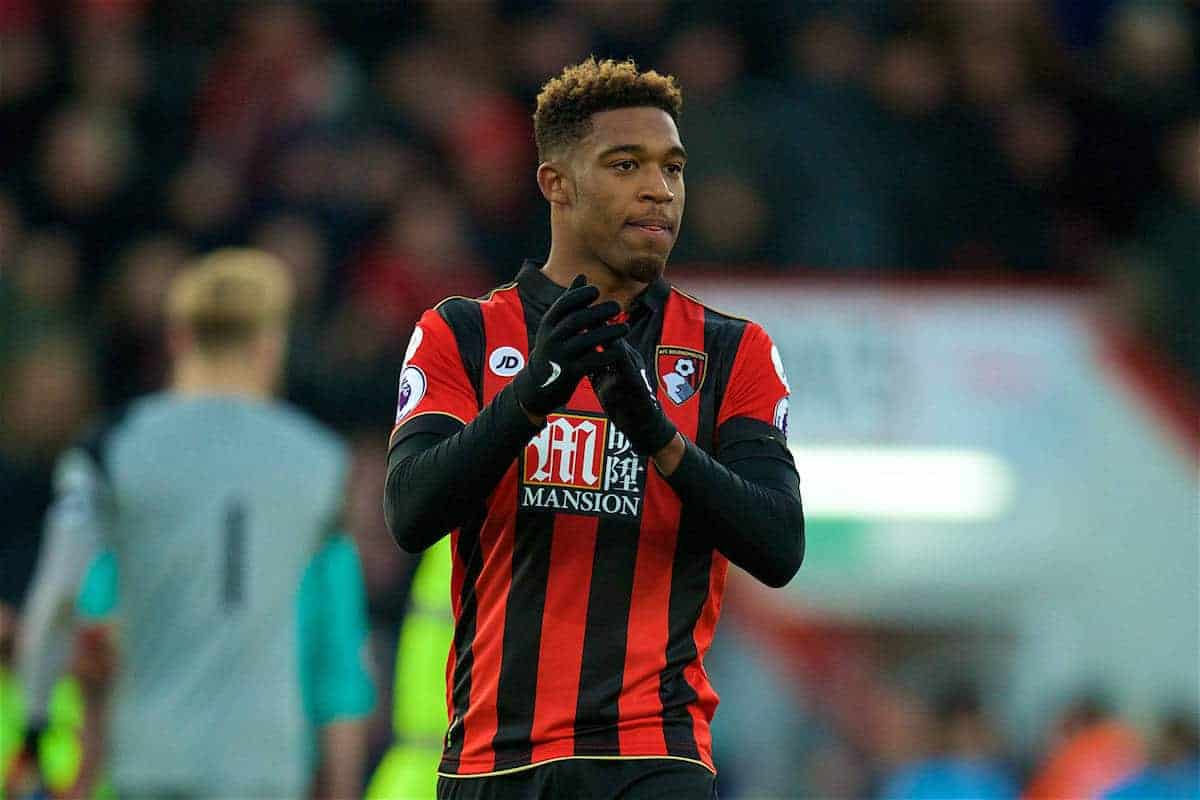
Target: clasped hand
x: 576, y: 339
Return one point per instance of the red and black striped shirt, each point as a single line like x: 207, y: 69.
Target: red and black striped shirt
x: 585, y: 594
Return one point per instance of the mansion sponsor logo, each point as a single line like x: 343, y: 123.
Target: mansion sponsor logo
x: 579, y: 502
x: 582, y: 464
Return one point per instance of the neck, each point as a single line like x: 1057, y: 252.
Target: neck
x: 232, y: 376
x: 563, y: 265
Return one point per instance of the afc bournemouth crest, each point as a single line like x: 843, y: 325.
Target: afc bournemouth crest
x: 681, y: 372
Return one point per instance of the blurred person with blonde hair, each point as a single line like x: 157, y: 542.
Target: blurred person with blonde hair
x: 214, y: 501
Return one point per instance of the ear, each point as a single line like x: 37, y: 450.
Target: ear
x: 179, y: 340
x: 555, y: 183
x: 276, y: 339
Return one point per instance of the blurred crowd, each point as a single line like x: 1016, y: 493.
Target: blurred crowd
x: 949, y: 746
x: 912, y: 746
x: 384, y: 151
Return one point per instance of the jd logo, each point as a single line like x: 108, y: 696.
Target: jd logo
x: 506, y: 361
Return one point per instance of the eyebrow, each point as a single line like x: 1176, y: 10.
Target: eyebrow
x: 675, y: 150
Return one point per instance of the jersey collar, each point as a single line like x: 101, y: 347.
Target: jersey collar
x: 542, y: 292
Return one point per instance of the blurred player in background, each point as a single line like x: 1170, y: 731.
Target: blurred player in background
x: 601, y: 445
x: 409, y: 770
x: 213, y: 500
x: 337, y: 688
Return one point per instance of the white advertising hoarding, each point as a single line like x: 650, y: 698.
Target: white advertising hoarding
x: 971, y: 456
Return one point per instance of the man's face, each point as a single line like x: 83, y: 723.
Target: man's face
x: 628, y: 199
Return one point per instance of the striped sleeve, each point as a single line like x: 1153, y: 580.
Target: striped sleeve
x: 435, y: 388
x: 758, y: 387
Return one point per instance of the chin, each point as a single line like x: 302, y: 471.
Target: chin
x: 646, y: 269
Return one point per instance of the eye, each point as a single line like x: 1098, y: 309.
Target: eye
x: 625, y: 165
x: 675, y: 169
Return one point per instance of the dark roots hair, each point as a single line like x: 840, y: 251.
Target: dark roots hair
x: 566, y: 103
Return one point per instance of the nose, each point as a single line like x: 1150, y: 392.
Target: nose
x: 656, y: 190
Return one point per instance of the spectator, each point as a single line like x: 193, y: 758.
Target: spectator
x: 423, y: 249
x: 131, y: 347
x: 1165, y: 252
x: 1017, y: 221
x: 1090, y: 751
x: 47, y: 395
x: 1174, y: 774
x: 109, y: 70
x: 729, y: 128
x: 1151, y: 56
x: 828, y: 149
x: 204, y: 200
x: 40, y: 292
x: 85, y: 179
x: 965, y: 761
x: 27, y: 64
x: 279, y: 72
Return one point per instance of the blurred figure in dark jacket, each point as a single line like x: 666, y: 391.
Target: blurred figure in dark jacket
x: 966, y: 761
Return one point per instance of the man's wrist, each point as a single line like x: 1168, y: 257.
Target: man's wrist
x: 528, y: 396
x: 538, y: 421
x: 667, y: 459
x: 534, y: 418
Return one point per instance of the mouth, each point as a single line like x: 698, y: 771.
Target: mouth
x: 653, y: 226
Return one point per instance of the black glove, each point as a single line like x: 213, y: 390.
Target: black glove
x: 564, y: 349
x: 627, y: 396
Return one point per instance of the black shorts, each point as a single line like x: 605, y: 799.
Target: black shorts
x: 590, y: 779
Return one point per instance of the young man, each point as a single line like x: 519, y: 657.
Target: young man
x: 601, y: 445
x: 214, y: 501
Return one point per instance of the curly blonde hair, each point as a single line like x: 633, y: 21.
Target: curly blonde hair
x: 566, y: 103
